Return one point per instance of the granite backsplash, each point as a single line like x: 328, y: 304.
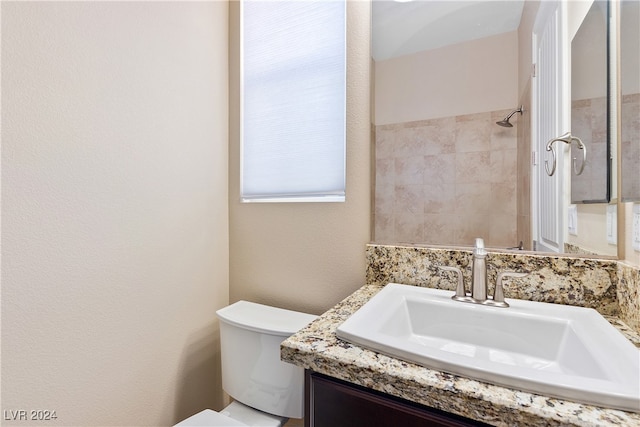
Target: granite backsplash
x: 609, y: 286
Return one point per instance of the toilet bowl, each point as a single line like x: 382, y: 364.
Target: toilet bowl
x: 266, y: 391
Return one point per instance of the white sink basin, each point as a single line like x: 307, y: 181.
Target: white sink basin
x: 555, y: 350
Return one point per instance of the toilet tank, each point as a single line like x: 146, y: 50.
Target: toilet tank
x: 252, y: 372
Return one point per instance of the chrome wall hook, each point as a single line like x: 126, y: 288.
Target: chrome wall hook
x: 582, y: 147
x: 546, y: 162
x: 567, y: 138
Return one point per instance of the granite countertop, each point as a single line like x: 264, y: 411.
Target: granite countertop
x: 316, y: 347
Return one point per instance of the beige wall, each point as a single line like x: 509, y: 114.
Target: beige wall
x: 465, y: 78
x: 589, y: 56
x: 576, y: 12
x: 306, y: 256
x: 525, y: 67
x: 114, y: 209
x: 632, y: 257
x: 592, y: 233
x: 629, y: 35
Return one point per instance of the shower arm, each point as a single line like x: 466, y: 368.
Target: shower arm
x: 518, y: 110
x: 505, y: 122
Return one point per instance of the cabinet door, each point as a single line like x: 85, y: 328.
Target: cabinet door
x: 333, y: 403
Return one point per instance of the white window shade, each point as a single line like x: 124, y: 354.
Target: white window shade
x: 293, y: 100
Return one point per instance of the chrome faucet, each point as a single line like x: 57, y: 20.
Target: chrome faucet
x: 479, y: 280
x: 479, y: 273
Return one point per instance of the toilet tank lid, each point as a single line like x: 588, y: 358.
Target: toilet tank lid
x: 264, y: 318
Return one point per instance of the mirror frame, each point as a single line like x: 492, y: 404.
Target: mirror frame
x: 616, y: 87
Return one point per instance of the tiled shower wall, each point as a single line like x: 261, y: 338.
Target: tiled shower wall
x: 589, y: 123
x: 447, y: 181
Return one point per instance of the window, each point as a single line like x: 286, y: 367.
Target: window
x: 293, y: 98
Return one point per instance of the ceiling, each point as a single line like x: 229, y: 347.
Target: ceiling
x: 402, y: 28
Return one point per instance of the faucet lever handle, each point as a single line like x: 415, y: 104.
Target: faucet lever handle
x: 498, y: 294
x: 461, y: 293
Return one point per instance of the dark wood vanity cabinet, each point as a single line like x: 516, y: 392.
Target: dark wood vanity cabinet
x: 330, y: 402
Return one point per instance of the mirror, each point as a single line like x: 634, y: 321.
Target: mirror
x: 445, y: 172
x: 589, y: 108
x: 630, y: 102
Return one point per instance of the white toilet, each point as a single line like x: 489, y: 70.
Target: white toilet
x: 266, y: 391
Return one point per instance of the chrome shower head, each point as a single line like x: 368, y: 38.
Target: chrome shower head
x: 505, y: 122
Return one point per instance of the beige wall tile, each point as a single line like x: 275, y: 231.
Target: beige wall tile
x: 409, y: 170
x: 439, y: 198
x: 473, y: 133
x: 439, y: 228
x: 473, y: 167
x: 441, y: 168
